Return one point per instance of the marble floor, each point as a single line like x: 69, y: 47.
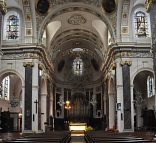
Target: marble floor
x: 77, y: 137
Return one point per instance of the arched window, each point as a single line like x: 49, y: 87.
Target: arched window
x: 4, y: 88
x: 11, y: 26
x: 150, y: 87
x: 78, y: 66
x: 141, y: 24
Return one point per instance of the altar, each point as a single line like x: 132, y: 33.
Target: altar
x: 77, y: 126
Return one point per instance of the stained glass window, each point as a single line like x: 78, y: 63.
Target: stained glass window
x: 78, y: 66
x: 150, y: 88
x: 4, y: 88
x: 141, y: 25
x: 12, y: 27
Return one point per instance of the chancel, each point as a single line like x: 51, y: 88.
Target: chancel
x: 77, y: 65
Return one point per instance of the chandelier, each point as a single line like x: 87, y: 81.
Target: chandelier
x: 67, y: 105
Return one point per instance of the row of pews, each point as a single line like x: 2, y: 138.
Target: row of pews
x: 53, y: 137
x: 102, y: 137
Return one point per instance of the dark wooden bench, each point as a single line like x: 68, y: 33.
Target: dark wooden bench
x: 110, y: 138
x: 43, y: 138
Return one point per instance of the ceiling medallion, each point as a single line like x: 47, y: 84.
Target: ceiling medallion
x: 76, y: 19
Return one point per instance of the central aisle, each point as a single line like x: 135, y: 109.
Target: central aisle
x: 77, y: 137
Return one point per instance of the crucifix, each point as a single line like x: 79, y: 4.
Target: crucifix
x: 36, y: 102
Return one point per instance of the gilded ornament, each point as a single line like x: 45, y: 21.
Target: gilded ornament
x: 3, y: 6
x: 126, y: 63
x: 148, y: 4
x: 25, y: 64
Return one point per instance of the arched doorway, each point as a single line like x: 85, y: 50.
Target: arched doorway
x: 11, y: 102
x: 144, y: 101
x: 79, y: 111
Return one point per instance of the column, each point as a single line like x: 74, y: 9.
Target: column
x: 43, y: 111
x: 35, y: 97
x: 111, y: 111
x: 119, y: 90
x: 44, y: 94
x: 126, y: 95
x: 28, y: 96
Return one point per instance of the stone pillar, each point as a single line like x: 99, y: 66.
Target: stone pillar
x: 28, y: 96
x: 119, y: 90
x: 35, y: 97
x: 43, y: 111
x: 31, y: 98
x: 44, y: 94
x: 111, y: 111
x: 126, y: 95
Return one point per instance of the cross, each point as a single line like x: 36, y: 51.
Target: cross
x: 36, y: 102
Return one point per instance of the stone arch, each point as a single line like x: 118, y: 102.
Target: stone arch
x: 14, y: 105
x: 144, y: 106
x: 83, y: 7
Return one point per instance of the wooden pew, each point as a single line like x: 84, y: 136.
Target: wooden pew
x: 62, y: 137
x: 95, y: 137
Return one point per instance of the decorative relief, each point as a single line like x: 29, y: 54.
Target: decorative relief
x: 76, y: 19
x: 124, y: 29
x: 3, y: 6
x: 25, y: 64
x: 19, y: 56
x: 113, y: 19
x: 132, y: 55
x: 148, y: 4
x: 92, y: 2
x: 125, y: 13
x: 28, y: 17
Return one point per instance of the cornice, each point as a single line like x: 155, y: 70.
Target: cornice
x: 26, y: 52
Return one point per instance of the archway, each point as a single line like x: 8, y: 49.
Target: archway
x: 144, y: 101
x: 11, y: 102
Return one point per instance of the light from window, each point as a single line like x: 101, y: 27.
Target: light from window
x: 78, y: 66
x: 150, y: 88
x: 141, y: 25
x: 4, y: 88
